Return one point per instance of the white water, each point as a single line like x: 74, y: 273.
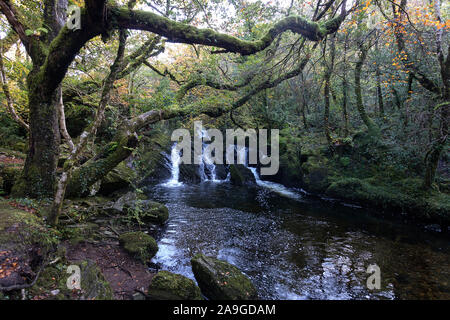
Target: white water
x: 207, y: 163
x: 275, y: 187
x: 174, y: 168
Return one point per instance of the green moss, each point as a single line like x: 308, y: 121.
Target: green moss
x: 145, y: 211
x: 169, y: 286
x: 20, y: 229
x: 220, y: 280
x: 54, y: 279
x: 139, y: 244
x: 9, y: 175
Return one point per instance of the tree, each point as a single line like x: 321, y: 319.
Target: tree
x: 53, y: 50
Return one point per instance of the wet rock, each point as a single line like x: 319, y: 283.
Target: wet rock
x: 52, y: 283
x: 190, y: 173
x: 137, y: 207
x: 220, y: 280
x: 170, y: 286
x: 221, y: 172
x: 140, y: 245
x: 241, y: 175
x: 119, y: 178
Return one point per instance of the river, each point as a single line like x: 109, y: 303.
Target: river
x: 296, y: 247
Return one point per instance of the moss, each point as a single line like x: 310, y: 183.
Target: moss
x: 220, y: 280
x: 119, y: 178
x: 139, y: 244
x: 405, y: 195
x: 240, y: 175
x: 9, y: 175
x: 54, y: 279
x: 169, y: 286
x: 145, y: 211
x: 21, y: 229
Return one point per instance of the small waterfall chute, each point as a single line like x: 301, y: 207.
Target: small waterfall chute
x: 175, y: 160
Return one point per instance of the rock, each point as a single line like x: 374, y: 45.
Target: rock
x: 241, y: 175
x: 221, y: 172
x: 190, y: 173
x: 140, y: 245
x: 53, y: 279
x: 119, y: 178
x: 137, y: 207
x: 126, y: 199
x: 93, y: 283
x: 170, y: 286
x: 24, y: 240
x: 138, y: 296
x: 8, y: 175
x: 219, y: 280
x: 147, y: 211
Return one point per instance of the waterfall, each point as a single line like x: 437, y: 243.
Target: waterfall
x: 275, y: 187
x: 206, y: 162
x: 174, y: 168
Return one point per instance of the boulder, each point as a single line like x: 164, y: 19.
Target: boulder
x: 140, y: 245
x: 145, y: 211
x: 119, y: 178
x: 170, y: 286
x: 220, y: 280
x: 8, y: 176
x: 241, y: 175
x: 190, y: 173
x: 52, y: 282
x: 221, y: 172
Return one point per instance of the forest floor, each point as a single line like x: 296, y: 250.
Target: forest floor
x: 125, y: 274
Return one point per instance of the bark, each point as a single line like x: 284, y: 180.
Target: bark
x: 371, y: 126
x: 9, y: 99
x: 328, y: 72
x: 72, y: 161
x: 52, y: 55
x: 345, y: 91
x: 379, y: 90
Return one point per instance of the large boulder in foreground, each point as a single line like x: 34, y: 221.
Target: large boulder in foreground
x: 140, y: 245
x: 220, y: 280
x: 170, y: 286
x: 241, y: 175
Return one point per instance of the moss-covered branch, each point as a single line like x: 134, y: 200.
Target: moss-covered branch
x: 183, y: 33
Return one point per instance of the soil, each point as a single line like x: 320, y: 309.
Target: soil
x: 125, y: 274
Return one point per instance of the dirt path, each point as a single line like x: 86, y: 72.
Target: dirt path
x: 126, y: 275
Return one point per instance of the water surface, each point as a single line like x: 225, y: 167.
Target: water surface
x: 297, y: 248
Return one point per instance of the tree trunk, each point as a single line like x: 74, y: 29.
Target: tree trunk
x: 38, y: 177
x: 371, y: 126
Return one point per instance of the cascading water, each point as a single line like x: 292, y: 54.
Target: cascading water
x: 275, y: 187
x: 207, y: 163
x: 207, y: 166
x: 174, y: 168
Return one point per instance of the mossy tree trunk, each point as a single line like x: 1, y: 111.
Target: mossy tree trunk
x: 371, y: 126
x: 52, y: 54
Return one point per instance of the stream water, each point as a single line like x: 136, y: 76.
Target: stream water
x: 294, y: 247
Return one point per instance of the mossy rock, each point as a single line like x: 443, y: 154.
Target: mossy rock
x: 121, y: 177
x: 126, y: 199
x: 241, y: 175
x: 220, y: 280
x: 140, y: 245
x: 52, y: 283
x: 9, y: 175
x: 170, y: 286
x: 24, y: 240
x: 147, y: 211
